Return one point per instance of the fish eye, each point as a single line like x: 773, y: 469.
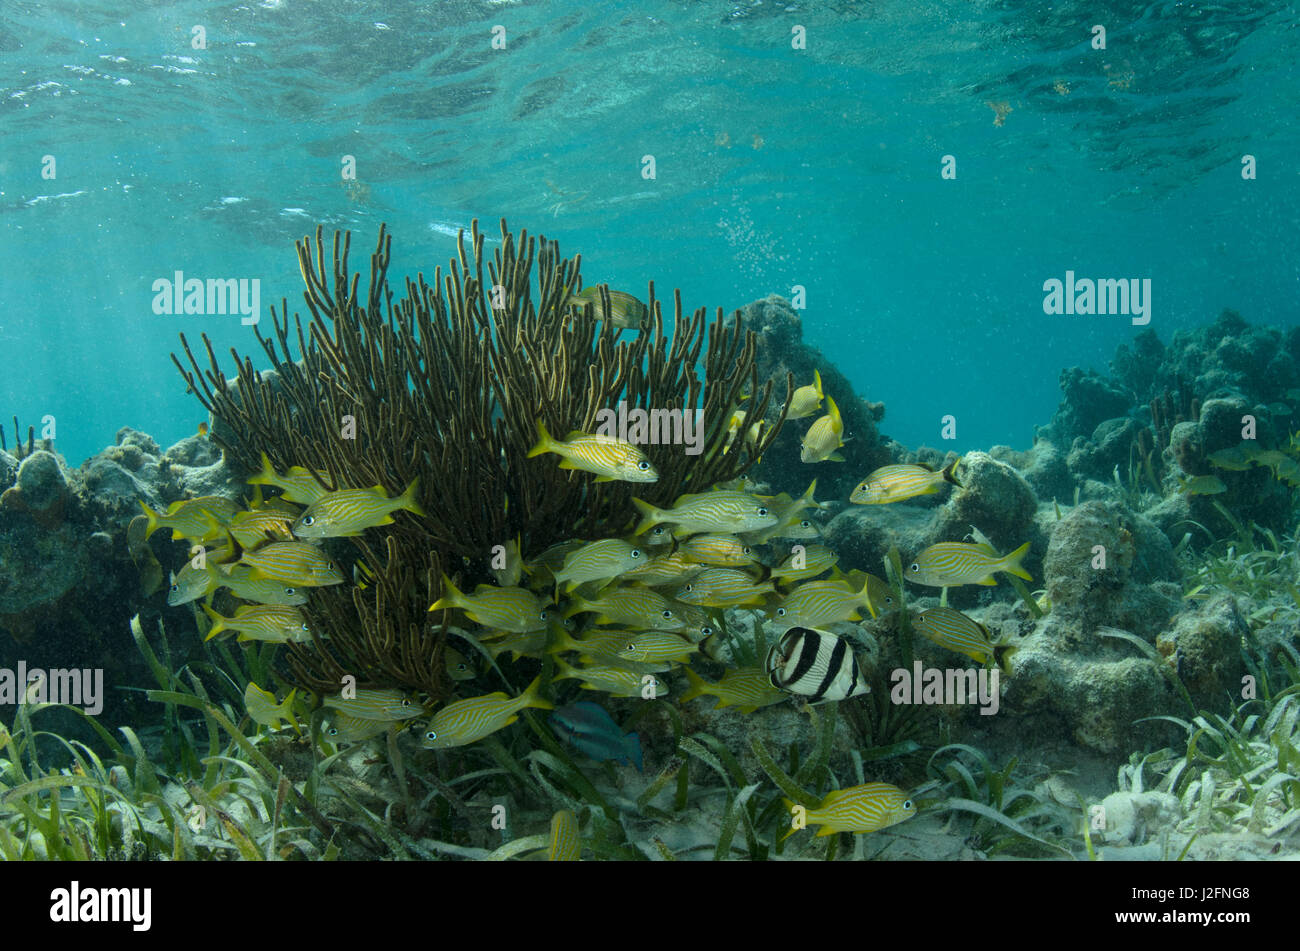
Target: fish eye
x: 747, y: 550
x: 174, y: 588
x: 643, y: 465
x: 305, y: 627
x: 907, y: 804
x: 636, y: 552
x: 542, y: 616
x: 406, y: 701
x: 780, y: 612
x: 707, y: 630
x: 461, y: 666
x: 308, y: 519
x: 431, y: 735
x: 915, y: 566
x: 329, y: 566
x: 805, y: 524
x: 333, y: 731
x: 667, y: 615
x: 762, y: 511
x: 290, y: 591
x: 688, y: 588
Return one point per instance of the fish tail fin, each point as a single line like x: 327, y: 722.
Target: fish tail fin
x: 267, y: 476
x: 544, y: 441
x: 1013, y: 560
x: 152, y: 517
x: 817, y: 384
x: 650, y: 516
x: 218, y: 622
x: 1002, y: 656
x: 949, y: 473
x: 532, y: 696
x: 864, y: 598
x: 451, y: 596
x: 836, y: 419
x: 698, y: 686
x: 407, y: 499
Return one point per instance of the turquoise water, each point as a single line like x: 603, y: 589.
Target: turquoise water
x: 775, y: 167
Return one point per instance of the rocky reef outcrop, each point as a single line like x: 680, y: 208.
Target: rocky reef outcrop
x: 72, y: 571
x: 782, y: 351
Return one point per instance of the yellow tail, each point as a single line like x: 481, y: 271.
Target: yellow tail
x: 451, y: 597
x: 650, y: 516
x: 532, y: 697
x: 698, y: 688
x: 407, y: 499
x: 1011, y: 563
x: 544, y: 441
x: 218, y: 622
x: 267, y: 476
x: 153, y: 517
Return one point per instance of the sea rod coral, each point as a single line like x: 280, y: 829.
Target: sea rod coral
x: 447, y: 384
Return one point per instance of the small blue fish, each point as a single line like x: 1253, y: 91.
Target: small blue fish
x: 590, y: 730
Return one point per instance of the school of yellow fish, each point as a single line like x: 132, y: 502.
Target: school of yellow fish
x: 614, y: 614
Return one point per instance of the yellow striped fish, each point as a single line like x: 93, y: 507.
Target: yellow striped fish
x: 190, y: 583
x: 818, y: 603
x: 655, y: 647
x: 612, y: 460
x: 864, y: 808
x: 824, y: 437
x: 805, y: 561
x: 965, y: 635
x: 239, y: 579
x: 519, y: 644
x: 198, y: 519
x: 881, y: 595
x: 807, y: 399
x: 295, y: 563
x: 350, y: 729
x: 385, y: 704
x: 615, y: 681
x: 747, y: 689
x: 296, y: 485
x: 725, y: 551
x: 261, y: 706
x: 790, y: 521
x: 722, y: 511
x: 504, y: 609
x: 467, y: 721
x: 954, y: 563
x: 657, y: 536
x: 735, y: 424
x: 262, y: 622
x: 566, y: 844
x: 898, y: 482
x: 592, y: 643
x: 253, y: 527
x: 599, y: 561
x: 349, y: 512
x: 632, y: 605
x: 805, y: 529
x: 663, y: 569
x: 457, y: 665
x: 722, y: 587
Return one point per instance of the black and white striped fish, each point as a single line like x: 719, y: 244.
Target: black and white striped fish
x: 816, y: 665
